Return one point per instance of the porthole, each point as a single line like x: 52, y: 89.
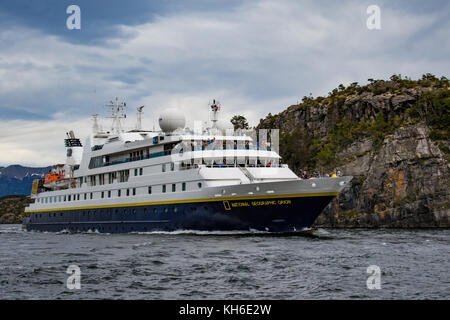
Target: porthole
x: 175, y: 209
x: 166, y: 210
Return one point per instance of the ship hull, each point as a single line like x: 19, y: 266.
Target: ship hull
x: 273, y: 214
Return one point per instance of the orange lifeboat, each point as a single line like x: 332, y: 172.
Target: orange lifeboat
x: 53, y: 176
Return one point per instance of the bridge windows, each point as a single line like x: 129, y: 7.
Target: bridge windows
x: 93, y: 181
x: 101, y: 179
x: 124, y: 175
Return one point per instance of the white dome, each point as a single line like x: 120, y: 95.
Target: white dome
x: 223, y: 125
x: 171, y: 119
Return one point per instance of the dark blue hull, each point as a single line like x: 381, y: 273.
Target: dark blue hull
x: 269, y: 214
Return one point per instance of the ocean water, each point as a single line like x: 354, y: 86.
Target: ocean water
x: 319, y: 264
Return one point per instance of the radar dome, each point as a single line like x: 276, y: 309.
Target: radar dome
x: 223, y: 125
x: 171, y: 119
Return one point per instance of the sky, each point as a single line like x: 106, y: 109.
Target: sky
x: 254, y: 56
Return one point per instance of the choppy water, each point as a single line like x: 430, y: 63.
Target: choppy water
x: 330, y: 264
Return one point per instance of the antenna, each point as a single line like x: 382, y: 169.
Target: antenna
x: 139, y: 118
x: 117, y: 111
x: 95, y: 127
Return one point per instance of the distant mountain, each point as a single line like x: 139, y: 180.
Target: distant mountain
x: 17, y: 180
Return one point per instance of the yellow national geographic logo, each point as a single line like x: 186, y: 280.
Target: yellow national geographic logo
x: 226, y: 205
x: 236, y: 204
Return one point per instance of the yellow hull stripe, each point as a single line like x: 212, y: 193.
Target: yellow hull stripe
x: 218, y: 199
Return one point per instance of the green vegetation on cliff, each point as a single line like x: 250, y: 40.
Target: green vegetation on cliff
x: 426, y: 100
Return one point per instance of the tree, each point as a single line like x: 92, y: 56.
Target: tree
x: 239, y: 122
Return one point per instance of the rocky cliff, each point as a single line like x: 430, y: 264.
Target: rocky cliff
x: 392, y: 136
x: 12, y: 208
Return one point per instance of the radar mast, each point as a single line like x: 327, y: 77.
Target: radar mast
x: 214, y: 112
x: 117, y: 111
x: 139, y: 118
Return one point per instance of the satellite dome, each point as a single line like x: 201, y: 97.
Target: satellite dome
x: 223, y: 125
x: 171, y: 119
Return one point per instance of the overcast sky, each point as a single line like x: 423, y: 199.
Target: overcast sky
x: 255, y: 57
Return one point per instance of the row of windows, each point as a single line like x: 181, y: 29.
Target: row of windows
x: 63, y: 198
x: 127, y: 192
x: 122, y: 176
x: 107, y: 211
x: 172, y: 167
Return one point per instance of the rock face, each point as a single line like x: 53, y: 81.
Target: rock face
x: 12, y: 208
x: 401, y: 175
x: 403, y: 184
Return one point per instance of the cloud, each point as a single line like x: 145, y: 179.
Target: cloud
x: 255, y: 57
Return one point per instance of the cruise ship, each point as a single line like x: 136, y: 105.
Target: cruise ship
x: 209, y: 178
